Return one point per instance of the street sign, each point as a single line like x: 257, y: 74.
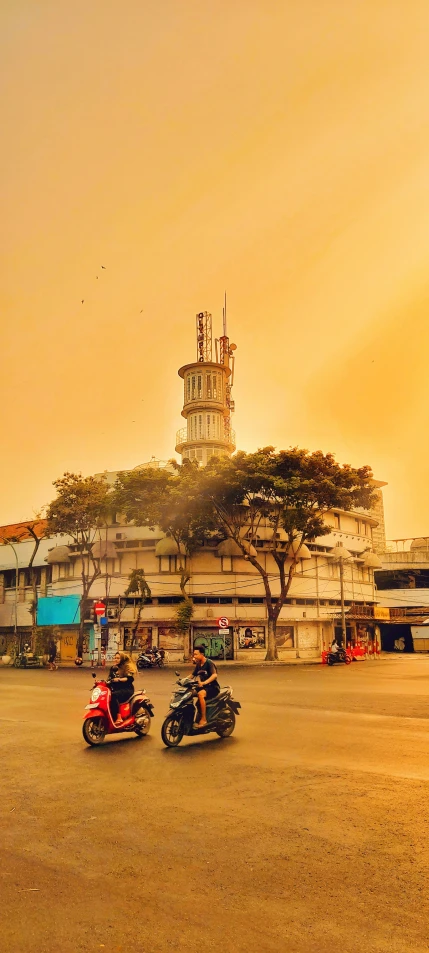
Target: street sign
x: 99, y: 608
x: 223, y: 623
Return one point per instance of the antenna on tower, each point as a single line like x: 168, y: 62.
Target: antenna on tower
x: 224, y: 317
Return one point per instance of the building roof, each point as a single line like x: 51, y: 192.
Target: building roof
x: 19, y: 531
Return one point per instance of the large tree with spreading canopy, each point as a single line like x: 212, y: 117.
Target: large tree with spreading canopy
x: 287, y: 496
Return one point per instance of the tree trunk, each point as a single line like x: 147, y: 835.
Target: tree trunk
x: 187, y: 645
x: 33, y: 611
x: 272, y: 654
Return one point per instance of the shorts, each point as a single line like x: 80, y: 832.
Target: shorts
x: 211, y: 691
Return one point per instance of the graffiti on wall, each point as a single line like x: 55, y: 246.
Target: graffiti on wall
x: 215, y: 646
x: 285, y: 636
x: 170, y: 639
x: 251, y: 638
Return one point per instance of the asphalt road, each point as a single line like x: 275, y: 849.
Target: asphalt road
x: 306, y: 831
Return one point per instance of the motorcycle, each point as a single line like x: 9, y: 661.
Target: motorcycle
x: 334, y: 658
x: 181, y: 719
x: 150, y: 659
x: 98, y: 722
x: 26, y: 659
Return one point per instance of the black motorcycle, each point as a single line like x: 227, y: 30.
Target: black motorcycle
x: 340, y: 657
x: 151, y: 659
x: 181, y: 719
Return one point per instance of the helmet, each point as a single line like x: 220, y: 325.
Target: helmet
x: 78, y: 661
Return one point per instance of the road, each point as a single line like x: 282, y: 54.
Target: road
x: 305, y: 832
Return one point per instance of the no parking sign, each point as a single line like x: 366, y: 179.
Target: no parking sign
x: 223, y: 623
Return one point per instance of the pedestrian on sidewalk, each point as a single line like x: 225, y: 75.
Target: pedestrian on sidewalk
x: 52, y: 650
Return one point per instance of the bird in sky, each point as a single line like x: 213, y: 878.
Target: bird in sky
x: 83, y: 299
x: 104, y: 267
x: 141, y: 312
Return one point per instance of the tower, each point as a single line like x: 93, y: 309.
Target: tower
x: 207, y: 403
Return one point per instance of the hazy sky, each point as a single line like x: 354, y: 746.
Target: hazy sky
x: 276, y: 148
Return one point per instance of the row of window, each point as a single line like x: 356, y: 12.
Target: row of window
x: 9, y: 576
x: 203, y: 386
x: 362, y: 528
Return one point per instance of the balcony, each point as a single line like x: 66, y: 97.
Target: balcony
x: 227, y: 439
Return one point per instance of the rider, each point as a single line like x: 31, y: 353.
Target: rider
x: 205, y: 673
x: 121, y: 679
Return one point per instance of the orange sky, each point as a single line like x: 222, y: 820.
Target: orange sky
x: 278, y: 149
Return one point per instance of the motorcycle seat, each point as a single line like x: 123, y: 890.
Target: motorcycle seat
x: 138, y: 696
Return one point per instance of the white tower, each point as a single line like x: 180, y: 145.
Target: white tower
x: 207, y: 404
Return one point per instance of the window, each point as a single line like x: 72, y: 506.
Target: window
x: 168, y: 563
x: 337, y: 522
x: 64, y: 571
x: 193, y: 387
x: 188, y: 387
x: 199, y: 386
x: 212, y: 600
x: 359, y: 528
x: 208, y: 427
x: 9, y: 578
x: 226, y: 563
x: 200, y: 426
x: 250, y: 600
x: 199, y: 454
x: 215, y: 386
x: 209, y: 386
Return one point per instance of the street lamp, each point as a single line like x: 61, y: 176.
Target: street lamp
x: 340, y: 554
x: 8, y: 542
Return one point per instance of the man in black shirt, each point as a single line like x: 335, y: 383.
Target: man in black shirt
x: 208, y: 686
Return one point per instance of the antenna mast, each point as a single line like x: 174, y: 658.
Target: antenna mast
x: 204, y: 336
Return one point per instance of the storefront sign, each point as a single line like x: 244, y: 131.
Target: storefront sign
x: 380, y: 612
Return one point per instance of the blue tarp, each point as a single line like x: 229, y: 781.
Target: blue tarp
x: 58, y: 610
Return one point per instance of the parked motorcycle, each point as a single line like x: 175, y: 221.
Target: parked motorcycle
x: 181, y: 719
x: 152, y: 659
x: 26, y: 659
x: 98, y: 722
x: 334, y: 658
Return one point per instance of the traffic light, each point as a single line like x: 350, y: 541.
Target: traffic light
x: 104, y: 634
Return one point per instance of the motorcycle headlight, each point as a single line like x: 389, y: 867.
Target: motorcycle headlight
x: 95, y: 694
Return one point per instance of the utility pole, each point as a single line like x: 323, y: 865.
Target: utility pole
x: 340, y: 554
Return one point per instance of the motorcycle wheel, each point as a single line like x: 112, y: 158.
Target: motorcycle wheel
x: 227, y: 724
x: 172, y: 731
x: 93, y: 731
x: 17, y: 662
x: 330, y: 660
x: 143, y: 728
x: 347, y: 659
x: 140, y: 665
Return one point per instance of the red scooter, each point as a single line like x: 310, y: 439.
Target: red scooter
x: 136, y: 714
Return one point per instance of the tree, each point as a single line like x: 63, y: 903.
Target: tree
x: 172, y: 502
x: 138, y: 586
x: 79, y: 510
x: 284, y: 497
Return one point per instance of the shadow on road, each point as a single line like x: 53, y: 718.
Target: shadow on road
x: 198, y: 748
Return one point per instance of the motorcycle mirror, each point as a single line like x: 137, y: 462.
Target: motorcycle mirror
x: 177, y: 673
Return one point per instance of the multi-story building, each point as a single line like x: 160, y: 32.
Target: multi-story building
x: 223, y: 584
